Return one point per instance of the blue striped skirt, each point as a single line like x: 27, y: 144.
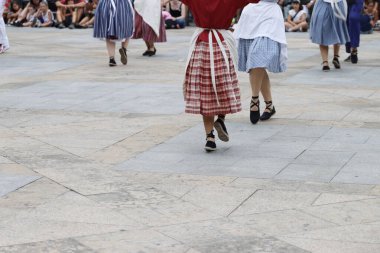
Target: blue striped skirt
x: 114, y: 20
x: 325, y: 28
x: 261, y: 52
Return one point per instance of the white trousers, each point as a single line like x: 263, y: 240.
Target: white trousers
x: 3, y: 34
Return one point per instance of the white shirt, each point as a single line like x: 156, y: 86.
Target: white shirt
x: 299, y: 14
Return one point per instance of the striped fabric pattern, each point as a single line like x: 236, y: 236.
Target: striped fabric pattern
x: 325, y: 28
x: 199, y: 92
x: 145, y: 32
x: 260, y: 52
x: 114, y: 20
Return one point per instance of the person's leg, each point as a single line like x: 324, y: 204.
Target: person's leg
x: 151, y: 50
x: 84, y: 21
x: 288, y: 26
x: 354, y: 31
x: 123, y: 52
x: 111, y: 52
x: 256, y: 77
x: 208, y: 122
x: 221, y: 128
x: 3, y: 34
x: 267, y: 95
x: 60, y: 17
x: 325, y: 56
x: 336, y: 56
x: 181, y: 23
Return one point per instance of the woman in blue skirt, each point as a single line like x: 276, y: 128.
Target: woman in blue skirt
x: 328, y: 27
x: 114, y: 22
x: 262, y: 47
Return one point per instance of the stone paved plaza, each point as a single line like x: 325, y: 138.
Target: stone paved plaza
x: 99, y: 159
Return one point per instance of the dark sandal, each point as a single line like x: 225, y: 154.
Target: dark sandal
x: 325, y: 68
x: 336, y: 62
x: 272, y: 111
x: 254, y: 115
x: 210, y: 145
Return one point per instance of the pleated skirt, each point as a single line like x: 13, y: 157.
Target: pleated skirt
x: 145, y: 32
x: 198, y: 88
x: 325, y: 28
x: 114, y: 20
x: 261, y: 52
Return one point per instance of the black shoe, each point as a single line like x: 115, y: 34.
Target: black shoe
x: 151, y: 53
x: 71, y: 26
x: 123, y: 55
x: 354, y: 57
x: 336, y: 62
x: 210, y: 144
x: 272, y: 111
x: 61, y: 26
x: 255, y: 115
x: 326, y: 67
x: 112, y: 62
x: 17, y: 24
x: 221, y: 130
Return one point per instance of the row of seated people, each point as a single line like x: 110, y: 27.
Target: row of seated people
x: 81, y: 13
x: 38, y: 13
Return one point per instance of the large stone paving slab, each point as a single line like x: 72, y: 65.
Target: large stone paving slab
x: 267, y: 151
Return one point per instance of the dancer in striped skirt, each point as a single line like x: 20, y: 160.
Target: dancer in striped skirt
x: 328, y: 27
x: 114, y: 22
x: 262, y: 47
x: 149, y: 24
x: 4, y: 43
x: 211, y: 85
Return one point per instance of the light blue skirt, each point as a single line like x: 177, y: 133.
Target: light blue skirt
x: 325, y: 28
x: 261, y: 52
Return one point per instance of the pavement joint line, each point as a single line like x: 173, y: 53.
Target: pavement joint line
x: 315, y: 200
x: 341, y: 168
x: 320, y: 218
x: 317, y: 239
x: 245, y: 200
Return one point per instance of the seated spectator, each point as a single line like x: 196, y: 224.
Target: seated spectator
x: 369, y: 18
x: 178, y: 11
x: 69, y: 13
x: 14, y: 12
x: 89, y: 18
x: 296, y: 20
x: 27, y: 14
x: 44, y: 16
x: 169, y: 20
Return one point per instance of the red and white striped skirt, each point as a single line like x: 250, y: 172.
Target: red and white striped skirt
x: 145, y: 32
x: 199, y: 92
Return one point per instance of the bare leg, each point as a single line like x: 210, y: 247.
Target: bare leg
x: 125, y: 43
x: 336, y: 49
x: 266, y: 90
x: 208, y: 122
x: 324, y: 54
x: 110, y: 48
x: 256, y: 77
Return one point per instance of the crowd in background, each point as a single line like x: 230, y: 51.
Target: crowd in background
x: 75, y: 14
